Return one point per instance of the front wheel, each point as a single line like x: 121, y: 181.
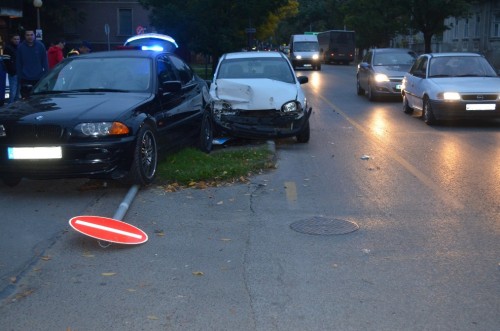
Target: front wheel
x: 406, y: 107
x: 145, y: 160
x: 371, y: 93
x: 428, y: 114
x: 206, y: 133
x: 305, y: 134
x: 359, y: 89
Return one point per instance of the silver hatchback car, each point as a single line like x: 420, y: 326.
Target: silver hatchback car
x: 381, y: 71
x: 448, y: 86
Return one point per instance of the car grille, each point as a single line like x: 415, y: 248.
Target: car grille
x: 480, y: 97
x: 34, y: 133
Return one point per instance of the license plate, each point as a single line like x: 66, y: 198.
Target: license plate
x: 488, y: 106
x: 34, y: 153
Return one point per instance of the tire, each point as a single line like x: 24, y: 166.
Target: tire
x: 305, y: 134
x: 359, y: 89
x: 12, y: 181
x: 428, y: 114
x: 371, y: 94
x: 406, y: 108
x: 206, y: 133
x: 145, y: 160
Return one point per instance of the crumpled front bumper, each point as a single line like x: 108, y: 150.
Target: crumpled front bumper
x: 259, y: 124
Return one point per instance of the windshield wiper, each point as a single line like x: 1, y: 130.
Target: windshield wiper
x: 434, y: 76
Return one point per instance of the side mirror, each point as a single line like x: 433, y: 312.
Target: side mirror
x: 302, y: 79
x: 171, y: 86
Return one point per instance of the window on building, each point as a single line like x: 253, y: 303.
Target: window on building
x: 125, y: 22
x: 466, y: 28
x: 496, y: 25
x: 455, y: 29
x: 477, y: 28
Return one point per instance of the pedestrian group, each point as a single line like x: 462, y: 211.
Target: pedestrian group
x: 24, y: 63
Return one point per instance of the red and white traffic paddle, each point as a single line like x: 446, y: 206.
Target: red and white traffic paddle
x: 111, y: 230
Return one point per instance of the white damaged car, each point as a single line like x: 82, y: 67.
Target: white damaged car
x: 256, y: 95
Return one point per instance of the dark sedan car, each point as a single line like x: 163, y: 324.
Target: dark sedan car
x: 381, y: 71
x: 104, y: 115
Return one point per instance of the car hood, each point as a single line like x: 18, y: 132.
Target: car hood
x: 396, y: 70
x: 253, y: 94
x: 70, y: 107
x: 467, y: 84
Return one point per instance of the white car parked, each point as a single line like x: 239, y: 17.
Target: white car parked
x: 257, y: 95
x: 449, y: 86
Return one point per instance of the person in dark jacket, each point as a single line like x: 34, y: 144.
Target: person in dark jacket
x: 31, y: 61
x: 55, y: 53
x: 83, y: 48
x: 10, y: 65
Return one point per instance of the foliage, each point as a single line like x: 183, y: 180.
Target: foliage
x: 215, y: 26
x: 313, y: 15
x: 375, y: 21
x: 428, y: 16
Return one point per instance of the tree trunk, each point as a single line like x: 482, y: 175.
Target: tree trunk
x: 428, y: 42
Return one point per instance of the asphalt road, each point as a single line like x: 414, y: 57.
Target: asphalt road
x: 425, y: 256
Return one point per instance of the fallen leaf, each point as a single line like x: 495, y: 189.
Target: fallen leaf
x: 152, y: 317
x: 87, y: 254
x: 46, y: 258
x: 108, y: 274
x: 225, y: 239
x: 13, y: 279
x: 198, y: 273
x: 220, y: 202
x: 159, y: 233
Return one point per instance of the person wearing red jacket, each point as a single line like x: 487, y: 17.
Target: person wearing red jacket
x: 55, y: 53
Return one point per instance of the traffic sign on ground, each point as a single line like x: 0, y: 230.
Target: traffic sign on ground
x: 108, y: 229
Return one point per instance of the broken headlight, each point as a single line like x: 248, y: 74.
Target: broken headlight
x: 291, y: 106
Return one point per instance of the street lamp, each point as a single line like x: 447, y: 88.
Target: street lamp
x: 37, y: 4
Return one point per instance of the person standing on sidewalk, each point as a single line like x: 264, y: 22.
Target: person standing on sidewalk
x: 31, y: 61
x: 55, y: 53
x: 10, y: 65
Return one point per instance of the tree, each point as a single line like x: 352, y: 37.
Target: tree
x: 376, y: 22
x: 427, y: 16
x: 214, y: 26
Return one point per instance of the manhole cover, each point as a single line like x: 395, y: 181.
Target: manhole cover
x: 324, y: 226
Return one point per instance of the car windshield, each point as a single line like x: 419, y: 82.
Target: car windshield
x: 245, y: 68
x: 460, y: 66
x: 305, y: 46
x: 393, y: 59
x: 123, y: 74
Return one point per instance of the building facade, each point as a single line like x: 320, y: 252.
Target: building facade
x: 106, y: 24
x: 479, y: 33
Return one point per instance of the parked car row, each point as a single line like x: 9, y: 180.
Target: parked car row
x: 112, y: 114
x: 443, y: 86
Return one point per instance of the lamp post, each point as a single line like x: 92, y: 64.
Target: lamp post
x: 37, y: 4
